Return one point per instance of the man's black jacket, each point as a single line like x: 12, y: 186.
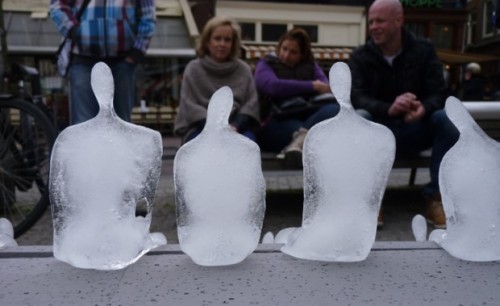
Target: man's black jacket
x: 417, y: 69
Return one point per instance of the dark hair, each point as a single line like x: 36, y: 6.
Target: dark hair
x: 302, y: 38
x: 217, y: 21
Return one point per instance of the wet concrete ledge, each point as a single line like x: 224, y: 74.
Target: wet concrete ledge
x: 407, y: 273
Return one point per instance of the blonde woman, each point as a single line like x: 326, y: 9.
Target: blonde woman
x: 217, y: 64
x: 289, y: 75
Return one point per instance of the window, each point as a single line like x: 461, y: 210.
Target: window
x: 442, y: 36
x: 272, y: 32
x: 416, y: 28
x: 247, y: 31
x: 159, y: 80
x: 472, y: 29
x: 487, y: 18
x: 312, y: 30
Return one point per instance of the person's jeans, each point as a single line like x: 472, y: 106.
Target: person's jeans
x: 84, y: 104
x: 435, y: 131
x: 276, y: 134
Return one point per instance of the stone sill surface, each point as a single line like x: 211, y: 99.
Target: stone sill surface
x: 409, y: 273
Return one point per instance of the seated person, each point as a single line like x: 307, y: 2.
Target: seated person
x: 290, y: 74
x: 217, y: 65
x: 474, y: 85
x: 397, y: 81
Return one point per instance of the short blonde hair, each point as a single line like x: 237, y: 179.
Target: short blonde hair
x: 217, y: 21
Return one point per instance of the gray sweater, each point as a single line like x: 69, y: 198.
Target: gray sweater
x: 202, y: 77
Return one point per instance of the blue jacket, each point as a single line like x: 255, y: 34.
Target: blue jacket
x: 107, y: 28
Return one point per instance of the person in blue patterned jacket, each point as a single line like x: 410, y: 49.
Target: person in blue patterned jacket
x: 117, y: 33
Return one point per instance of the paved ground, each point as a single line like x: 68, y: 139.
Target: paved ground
x: 284, y: 205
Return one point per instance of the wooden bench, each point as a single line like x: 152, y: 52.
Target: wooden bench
x: 160, y: 118
x: 486, y: 114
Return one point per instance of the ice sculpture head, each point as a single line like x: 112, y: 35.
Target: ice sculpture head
x: 469, y: 184
x: 458, y: 114
x: 99, y: 170
x: 103, y: 85
x: 219, y: 108
x: 340, y: 83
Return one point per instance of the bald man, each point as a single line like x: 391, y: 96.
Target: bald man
x: 398, y: 81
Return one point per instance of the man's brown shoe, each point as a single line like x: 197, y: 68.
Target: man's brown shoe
x: 435, y: 213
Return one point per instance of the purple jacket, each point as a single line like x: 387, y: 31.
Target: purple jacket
x: 268, y: 84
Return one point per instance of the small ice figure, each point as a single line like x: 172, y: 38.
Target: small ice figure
x: 347, y: 160
x: 470, y: 189
x: 282, y: 235
x: 268, y: 238
x: 219, y: 190
x: 6, y: 234
x: 143, y: 108
x: 419, y: 228
x: 100, y: 170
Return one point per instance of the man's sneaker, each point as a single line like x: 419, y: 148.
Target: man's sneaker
x: 434, y: 212
x: 293, y: 152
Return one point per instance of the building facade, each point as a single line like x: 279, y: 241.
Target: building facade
x: 461, y: 30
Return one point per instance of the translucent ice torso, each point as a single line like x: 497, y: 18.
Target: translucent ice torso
x: 219, y: 190
x: 347, y: 161
x: 100, y: 169
x: 469, y: 180
x: 6, y: 234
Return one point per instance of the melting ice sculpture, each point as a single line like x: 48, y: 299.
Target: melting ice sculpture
x: 347, y: 160
x: 469, y: 181
x: 219, y: 190
x: 100, y: 170
x: 6, y: 234
x: 419, y: 228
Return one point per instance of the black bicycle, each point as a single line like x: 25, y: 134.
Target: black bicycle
x: 27, y: 134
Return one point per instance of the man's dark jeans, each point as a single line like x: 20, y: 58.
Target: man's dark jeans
x: 434, y: 132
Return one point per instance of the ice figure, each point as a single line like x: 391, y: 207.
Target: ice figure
x: 347, y: 161
x: 282, y: 235
x: 219, y: 190
x: 419, y: 228
x: 268, y: 238
x: 99, y: 171
x: 470, y: 188
x: 6, y: 234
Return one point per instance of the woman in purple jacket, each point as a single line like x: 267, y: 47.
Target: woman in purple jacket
x: 290, y: 75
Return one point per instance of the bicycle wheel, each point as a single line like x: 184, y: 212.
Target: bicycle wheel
x: 26, y: 138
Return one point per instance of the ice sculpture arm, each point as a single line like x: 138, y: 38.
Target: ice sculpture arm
x: 270, y: 85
